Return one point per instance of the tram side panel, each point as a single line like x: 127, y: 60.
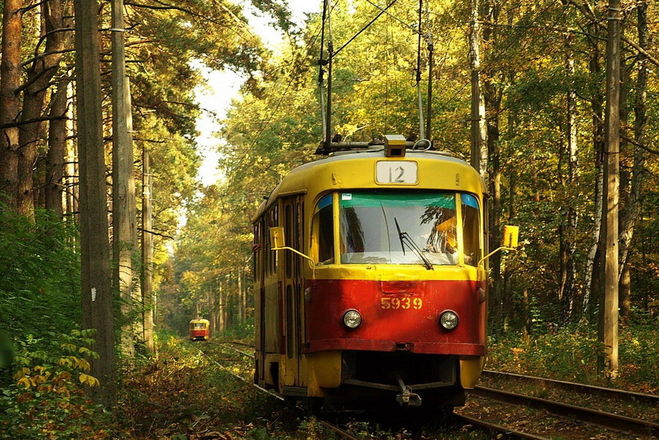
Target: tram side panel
x: 268, y: 320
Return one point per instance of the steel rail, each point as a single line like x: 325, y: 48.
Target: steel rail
x: 336, y: 429
x: 240, y: 343
x: 244, y: 353
x: 274, y: 395
x: 493, y: 428
x: 602, y: 418
x: 611, y: 392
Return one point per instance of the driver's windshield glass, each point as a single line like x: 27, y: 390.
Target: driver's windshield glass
x: 373, y: 225
x: 199, y: 326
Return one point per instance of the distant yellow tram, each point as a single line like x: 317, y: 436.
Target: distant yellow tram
x: 199, y: 329
x: 371, y: 279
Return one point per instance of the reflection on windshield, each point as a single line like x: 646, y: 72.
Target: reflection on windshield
x: 369, y: 233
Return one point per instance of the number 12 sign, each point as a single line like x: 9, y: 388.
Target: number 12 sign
x: 396, y: 171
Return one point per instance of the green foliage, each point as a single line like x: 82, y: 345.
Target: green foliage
x: 39, y: 286
x: 570, y: 353
x: 48, y: 397
x: 241, y: 331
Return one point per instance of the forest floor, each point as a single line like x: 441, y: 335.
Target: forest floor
x: 193, y: 391
x: 203, y: 391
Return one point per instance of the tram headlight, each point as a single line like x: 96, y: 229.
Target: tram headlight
x: 449, y: 320
x: 352, y: 319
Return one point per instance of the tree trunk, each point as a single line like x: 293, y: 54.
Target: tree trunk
x: 244, y: 298
x: 123, y: 182
x: 633, y: 209
x: 570, y: 244
x: 56, y: 149
x: 241, y: 304
x: 94, y: 246
x: 478, y: 122
x: 625, y: 293
x: 147, y: 252
x: 591, y: 273
x: 10, y: 81
x: 220, y: 308
x: 609, y: 311
x: 39, y: 76
x: 71, y: 165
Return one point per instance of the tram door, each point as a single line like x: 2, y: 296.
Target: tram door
x: 292, y: 219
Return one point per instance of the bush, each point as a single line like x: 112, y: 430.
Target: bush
x: 48, y: 397
x: 40, y: 282
x: 570, y: 353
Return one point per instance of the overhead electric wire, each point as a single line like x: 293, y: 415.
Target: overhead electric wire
x: 288, y: 86
x: 407, y: 25
x: 364, y: 28
x: 422, y: 133
x: 418, y: 48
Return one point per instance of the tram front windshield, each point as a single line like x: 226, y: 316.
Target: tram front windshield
x: 383, y: 227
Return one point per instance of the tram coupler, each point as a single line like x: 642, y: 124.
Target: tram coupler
x: 406, y: 397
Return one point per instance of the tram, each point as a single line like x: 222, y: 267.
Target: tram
x: 370, y: 275
x: 199, y: 329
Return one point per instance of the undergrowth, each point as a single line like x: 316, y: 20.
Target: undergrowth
x: 570, y: 353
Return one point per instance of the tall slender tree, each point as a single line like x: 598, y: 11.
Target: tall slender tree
x: 123, y: 182
x: 147, y: 251
x: 10, y: 81
x: 43, y: 68
x: 56, y: 149
x: 609, y: 309
x: 94, y: 245
x: 632, y: 211
x: 478, y: 121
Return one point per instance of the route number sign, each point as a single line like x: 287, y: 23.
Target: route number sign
x: 396, y: 171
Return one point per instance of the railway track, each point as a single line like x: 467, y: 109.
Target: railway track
x: 337, y: 430
x: 496, y: 430
x: 650, y: 399
x: 602, y: 418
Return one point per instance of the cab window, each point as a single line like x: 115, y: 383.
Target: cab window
x: 322, y: 235
x: 470, y: 229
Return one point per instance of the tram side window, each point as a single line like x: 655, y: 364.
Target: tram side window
x: 470, y: 229
x: 323, y: 229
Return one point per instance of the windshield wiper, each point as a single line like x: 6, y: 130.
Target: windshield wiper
x: 405, y: 238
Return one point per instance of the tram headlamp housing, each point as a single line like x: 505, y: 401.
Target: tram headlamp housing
x: 352, y: 319
x: 449, y: 320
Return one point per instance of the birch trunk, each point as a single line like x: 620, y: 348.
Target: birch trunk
x: 570, y: 245
x: 478, y: 121
x: 591, y: 272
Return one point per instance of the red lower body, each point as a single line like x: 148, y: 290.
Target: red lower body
x: 197, y: 335
x: 396, y: 316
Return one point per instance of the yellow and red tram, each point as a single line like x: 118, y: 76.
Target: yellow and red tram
x: 199, y: 329
x: 370, y: 278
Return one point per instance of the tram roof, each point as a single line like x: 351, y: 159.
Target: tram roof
x: 356, y: 169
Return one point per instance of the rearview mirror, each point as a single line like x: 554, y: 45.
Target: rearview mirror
x: 510, y: 236
x: 277, y: 237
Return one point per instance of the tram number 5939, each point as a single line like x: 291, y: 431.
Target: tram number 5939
x: 405, y: 303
